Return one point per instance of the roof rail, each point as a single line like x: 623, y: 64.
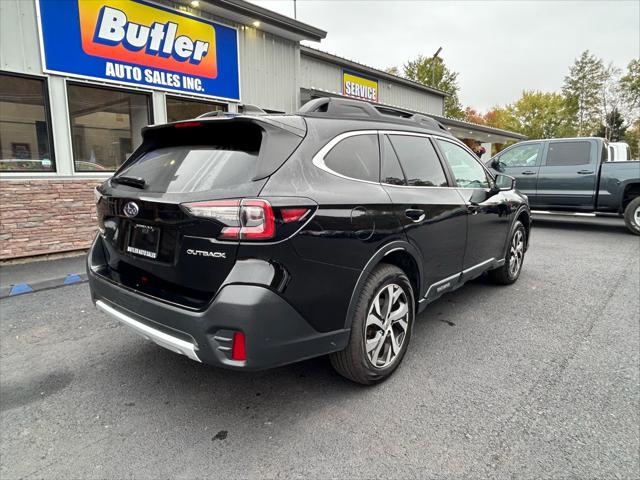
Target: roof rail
x: 249, y: 109
x: 348, y: 108
x: 246, y: 109
x: 215, y: 113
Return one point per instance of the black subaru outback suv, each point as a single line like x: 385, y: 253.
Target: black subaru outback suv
x: 252, y: 241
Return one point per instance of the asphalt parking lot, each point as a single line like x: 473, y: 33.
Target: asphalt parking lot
x: 536, y: 380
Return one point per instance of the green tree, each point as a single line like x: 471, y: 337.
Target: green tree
x: 393, y: 71
x: 583, y: 90
x: 614, y: 128
x: 434, y: 73
x: 632, y: 137
x: 541, y: 115
x: 502, y: 117
x: 630, y: 87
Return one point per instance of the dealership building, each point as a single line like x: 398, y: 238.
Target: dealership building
x: 79, y: 79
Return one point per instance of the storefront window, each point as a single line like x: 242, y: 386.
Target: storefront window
x: 181, y: 109
x: 25, y: 142
x: 106, y: 126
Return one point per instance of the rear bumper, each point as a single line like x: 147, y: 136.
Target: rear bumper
x: 166, y: 340
x: 275, y: 333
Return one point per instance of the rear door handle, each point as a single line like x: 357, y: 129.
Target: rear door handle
x: 528, y: 172
x: 585, y: 172
x: 415, y: 214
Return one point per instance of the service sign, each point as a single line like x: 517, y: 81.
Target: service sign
x: 135, y: 42
x: 358, y: 86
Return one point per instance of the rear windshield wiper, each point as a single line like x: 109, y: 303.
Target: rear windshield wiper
x: 136, y: 182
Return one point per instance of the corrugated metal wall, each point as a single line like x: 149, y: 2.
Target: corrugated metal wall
x: 268, y: 70
x: 411, y: 98
x: 19, y: 42
x: 320, y: 75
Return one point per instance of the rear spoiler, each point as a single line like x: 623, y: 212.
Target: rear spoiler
x: 274, y: 137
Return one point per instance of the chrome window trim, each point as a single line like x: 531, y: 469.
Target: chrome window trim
x: 318, y: 158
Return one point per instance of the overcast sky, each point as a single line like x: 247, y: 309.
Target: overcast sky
x: 498, y: 48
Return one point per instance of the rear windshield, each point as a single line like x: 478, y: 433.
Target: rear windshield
x: 186, y: 168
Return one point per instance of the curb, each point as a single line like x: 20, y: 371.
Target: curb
x: 22, y: 288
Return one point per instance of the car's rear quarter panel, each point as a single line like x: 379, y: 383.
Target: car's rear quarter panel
x: 326, y: 257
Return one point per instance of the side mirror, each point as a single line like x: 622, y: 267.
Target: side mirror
x: 504, y: 182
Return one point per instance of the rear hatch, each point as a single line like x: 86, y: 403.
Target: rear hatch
x: 165, y: 214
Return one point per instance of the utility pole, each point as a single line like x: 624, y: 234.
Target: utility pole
x: 433, y: 66
x: 295, y: 11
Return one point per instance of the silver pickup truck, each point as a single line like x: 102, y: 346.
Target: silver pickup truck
x: 573, y: 175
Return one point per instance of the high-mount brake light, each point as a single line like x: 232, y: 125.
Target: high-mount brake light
x: 251, y: 219
x: 187, y: 124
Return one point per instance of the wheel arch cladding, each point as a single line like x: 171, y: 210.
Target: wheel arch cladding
x: 407, y: 263
x: 631, y: 191
x: 524, y: 217
x: 398, y: 253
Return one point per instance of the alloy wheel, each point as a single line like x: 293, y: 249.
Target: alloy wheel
x: 516, y: 253
x: 386, y: 326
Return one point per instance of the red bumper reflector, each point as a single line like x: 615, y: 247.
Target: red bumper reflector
x: 238, y: 351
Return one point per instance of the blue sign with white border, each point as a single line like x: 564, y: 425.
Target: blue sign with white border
x: 139, y: 43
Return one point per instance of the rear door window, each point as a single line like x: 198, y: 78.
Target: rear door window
x: 186, y: 168
x: 391, y: 172
x: 419, y: 161
x: 569, y: 153
x: 356, y: 157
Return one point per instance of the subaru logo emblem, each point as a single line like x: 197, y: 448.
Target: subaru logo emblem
x: 131, y: 209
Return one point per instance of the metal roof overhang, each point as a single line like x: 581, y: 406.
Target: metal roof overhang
x: 246, y: 13
x: 330, y: 58
x: 477, y: 132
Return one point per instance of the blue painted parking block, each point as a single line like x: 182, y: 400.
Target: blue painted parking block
x: 20, y: 288
x: 72, y: 278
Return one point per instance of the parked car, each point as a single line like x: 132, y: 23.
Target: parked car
x: 252, y: 241
x: 573, y: 175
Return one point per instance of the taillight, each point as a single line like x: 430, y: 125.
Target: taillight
x: 256, y: 220
x: 293, y: 214
x: 243, y: 219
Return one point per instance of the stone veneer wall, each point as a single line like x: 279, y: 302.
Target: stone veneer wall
x: 43, y: 216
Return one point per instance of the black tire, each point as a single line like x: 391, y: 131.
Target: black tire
x: 632, y: 217
x: 353, y: 362
x: 508, y: 273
